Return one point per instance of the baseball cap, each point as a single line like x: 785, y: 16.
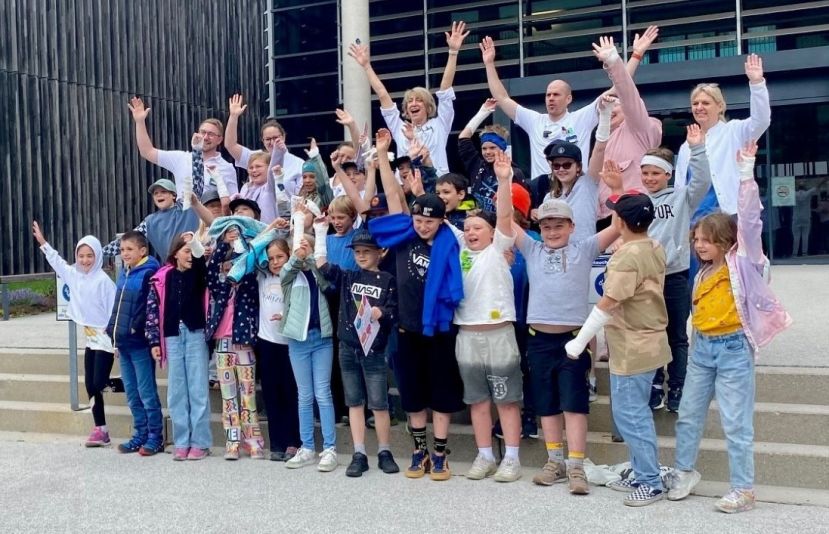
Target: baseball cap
x: 633, y: 207
x: 235, y: 203
x: 429, y: 205
x: 378, y: 205
x: 164, y: 184
x: 521, y: 199
x: 562, y: 149
x: 362, y: 237
x: 210, y: 196
x: 554, y: 209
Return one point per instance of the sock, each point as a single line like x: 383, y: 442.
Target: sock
x: 104, y: 428
x: 381, y: 448
x: 359, y: 447
x: 440, y: 445
x: 512, y: 452
x: 419, y: 436
x: 555, y: 451
x: 486, y: 452
x: 575, y: 459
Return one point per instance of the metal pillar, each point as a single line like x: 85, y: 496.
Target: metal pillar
x: 354, y: 28
x: 73, y: 367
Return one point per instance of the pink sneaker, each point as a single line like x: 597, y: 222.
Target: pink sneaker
x: 181, y: 454
x: 198, y: 454
x: 98, y: 438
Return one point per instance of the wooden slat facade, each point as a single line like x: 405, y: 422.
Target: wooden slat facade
x: 68, y: 156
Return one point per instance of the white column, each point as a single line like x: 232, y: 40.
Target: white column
x: 356, y: 90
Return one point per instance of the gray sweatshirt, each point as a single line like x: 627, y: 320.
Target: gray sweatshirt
x: 674, y: 208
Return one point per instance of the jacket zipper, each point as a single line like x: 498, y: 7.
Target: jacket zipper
x: 118, y: 311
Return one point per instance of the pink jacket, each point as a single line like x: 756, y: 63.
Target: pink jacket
x: 635, y: 136
x: 761, y: 313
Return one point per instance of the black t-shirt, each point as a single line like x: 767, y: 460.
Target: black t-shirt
x: 412, y: 262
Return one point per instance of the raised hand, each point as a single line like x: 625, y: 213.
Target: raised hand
x: 454, y: 39
x: 415, y: 183
x: 197, y: 141
x: 490, y: 105
x: 408, y: 130
x: 344, y: 117
x: 415, y: 148
x: 312, y: 151
x: 605, y: 51
x: 382, y: 141
x: 487, y: 46
x: 754, y: 68
x: 235, y: 105
x: 502, y: 166
x: 643, y: 42
x: 607, y: 100
x: 139, y: 112
x: 321, y: 224
x: 360, y: 54
x: 611, y: 174
x: 695, y: 136
x: 38, y: 234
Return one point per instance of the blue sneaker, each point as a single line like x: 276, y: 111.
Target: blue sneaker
x: 440, y: 468
x: 153, y: 446
x: 420, y: 464
x: 133, y: 445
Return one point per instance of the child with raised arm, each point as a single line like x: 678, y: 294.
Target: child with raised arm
x: 734, y: 314
x: 93, y: 295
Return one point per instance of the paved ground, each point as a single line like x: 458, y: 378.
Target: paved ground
x: 55, y: 485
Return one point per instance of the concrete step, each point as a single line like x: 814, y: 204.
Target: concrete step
x: 776, y: 464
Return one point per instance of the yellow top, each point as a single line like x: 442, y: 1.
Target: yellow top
x: 715, y: 311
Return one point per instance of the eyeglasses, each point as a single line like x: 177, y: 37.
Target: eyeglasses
x: 567, y: 165
x: 205, y: 133
x: 272, y: 139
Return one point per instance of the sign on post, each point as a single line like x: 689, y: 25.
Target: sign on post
x: 63, y: 295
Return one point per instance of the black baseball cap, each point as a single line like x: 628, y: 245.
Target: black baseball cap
x: 633, y: 207
x: 429, y: 205
x: 245, y: 202
x: 362, y: 237
x: 562, y: 149
x: 378, y: 205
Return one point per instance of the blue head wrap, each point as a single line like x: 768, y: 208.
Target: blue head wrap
x: 309, y: 167
x: 495, y: 139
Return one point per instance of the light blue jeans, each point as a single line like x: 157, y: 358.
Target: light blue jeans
x: 634, y: 421
x: 311, y: 361
x: 188, y: 401
x: 721, y: 366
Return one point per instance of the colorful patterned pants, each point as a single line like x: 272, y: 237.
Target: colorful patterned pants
x: 236, y: 365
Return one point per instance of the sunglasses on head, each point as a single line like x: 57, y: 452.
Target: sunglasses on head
x: 567, y: 165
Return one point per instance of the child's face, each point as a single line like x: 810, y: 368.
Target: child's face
x: 707, y: 250
x: 449, y: 195
x: 565, y: 169
x: 654, y: 179
x: 276, y: 259
x: 184, y: 258
x: 489, y: 151
x: 163, y: 199
x: 367, y: 258
x: 556, y: 232
x: 426, y: 227
x: 258, y: 172
x: 215, y: 208
x: 477, y: 233
x: 341, y: 222
x: 85, y: 258
x: 309, y: 182
x: 357, y: 178
x: 132, y: 253
x: 405, y: 172
x: 244, y: 211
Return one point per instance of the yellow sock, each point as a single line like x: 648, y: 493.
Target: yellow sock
x: 575, y: 458
x: 555, y: 451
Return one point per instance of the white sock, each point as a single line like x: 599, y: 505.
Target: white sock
x: 104, y: 428
x: 512, y: 452
x: 486, y: 452
x: 360, y: 447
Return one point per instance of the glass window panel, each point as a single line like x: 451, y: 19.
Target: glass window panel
x: 305, y: 29
x: 306, y: 95
x: 324, y: 63
x: 804, y: 28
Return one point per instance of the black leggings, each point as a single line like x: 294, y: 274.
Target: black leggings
x: 97, y: 365
x: 279, y: 392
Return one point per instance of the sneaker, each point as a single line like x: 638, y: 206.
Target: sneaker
x: 735, y: 501
x: 98, y: 438
x: 421, y: 464
x: 386, y: 463
x: 290, y: 452
x: 674, y: 398
x: 440, y: 468
x: 508, y: 471
x: 277, y: 456
x: 681, y: 483
x: 198, y: 454
x: 328, y: 460
x: 133, y: 445
x: 594, y: 391
x: 256, y: 451
x: 497, y: 431
x: 626, y: 485
x: 116, y: 384
x: 232, y: 450
x: 151, y: 448
x: 578, y: 481
x: 302, y: 458
x: 643, y: 496
x: 370, y: 422
x: 481, y: 468
x: 657, y: 401
x: 529, y: 428
x: 180, y: 454
x: 358, y: 465
x: 551, y: 473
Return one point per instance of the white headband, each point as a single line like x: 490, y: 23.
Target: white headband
x: 657, y: 162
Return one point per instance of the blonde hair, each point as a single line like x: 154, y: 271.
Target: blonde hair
x: 719, y: 228
x: 496, y: 129
x: 343, y: 204
x: 421, y: 93
x: 215, y: 122
x: 713, y: 90
x: 259, y: 155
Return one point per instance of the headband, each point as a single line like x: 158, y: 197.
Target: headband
x: 656, y: 161
x: 495, y: 139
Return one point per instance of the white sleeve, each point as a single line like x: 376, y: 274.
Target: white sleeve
x: 526, y: 118
x: 178, y: 162
x: 760, y: 115
x: 502, y: 242
x: 244, y: 158
x: 446, y: 109
x: 586, y: 118
x: 683, y: 158
x: 228, y: 174
x: 395, y: 125
x: 458, y: 233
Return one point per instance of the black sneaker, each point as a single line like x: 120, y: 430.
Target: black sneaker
x: 497, y: 431
x: 674, y: 398
x: 277, y: 456
x: 657, y: 401
x: 358, y: 465
x: 386, y: 463
x: 529, y: 428
x: 115, y: 385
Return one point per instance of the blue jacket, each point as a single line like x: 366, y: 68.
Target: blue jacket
x: 129, y: 316
x: 246, y: 300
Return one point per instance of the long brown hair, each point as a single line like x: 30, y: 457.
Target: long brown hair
x: 719, y: 228
x: 178, y: 244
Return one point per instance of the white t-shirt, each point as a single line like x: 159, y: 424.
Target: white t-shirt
x: 270, y: 303
x: 180, y: 163
x: 574, y: 127
x: 291, y: 169
x: 434, y: 133
x: 487, y: 283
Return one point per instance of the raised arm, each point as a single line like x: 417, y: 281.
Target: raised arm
x: 345, y: 118
x: 360, y: 204
x: 749, y: 208
x: 499, y: 92
x: 700, y: 169
x: 390, y: 185
x: 142, y: 136
x: 611, y: 175
x: 640, y: 47
x: 503, y: 205
x: 361, y: 55
x: 231, y: 142
x: 594, y: 166
x: 486, y: 110
x: 759, y: 108
x: 636, y: 114
x: 454, y: 40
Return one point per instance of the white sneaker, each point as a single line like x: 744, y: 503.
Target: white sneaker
x: 508, y: 471
x: 328, y: 460
x: 481, y: 468
x: 302, y: 458
x: 681, y: 483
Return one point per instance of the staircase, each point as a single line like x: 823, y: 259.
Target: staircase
x: 791, y: 421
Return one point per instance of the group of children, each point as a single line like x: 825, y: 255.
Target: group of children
x: 472, y: 289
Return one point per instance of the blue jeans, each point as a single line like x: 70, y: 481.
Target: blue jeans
x: 721, y: 366
x: 187, y: 390
x: 634, y: 420
x: 311, y: 361
x: 138, y: 374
